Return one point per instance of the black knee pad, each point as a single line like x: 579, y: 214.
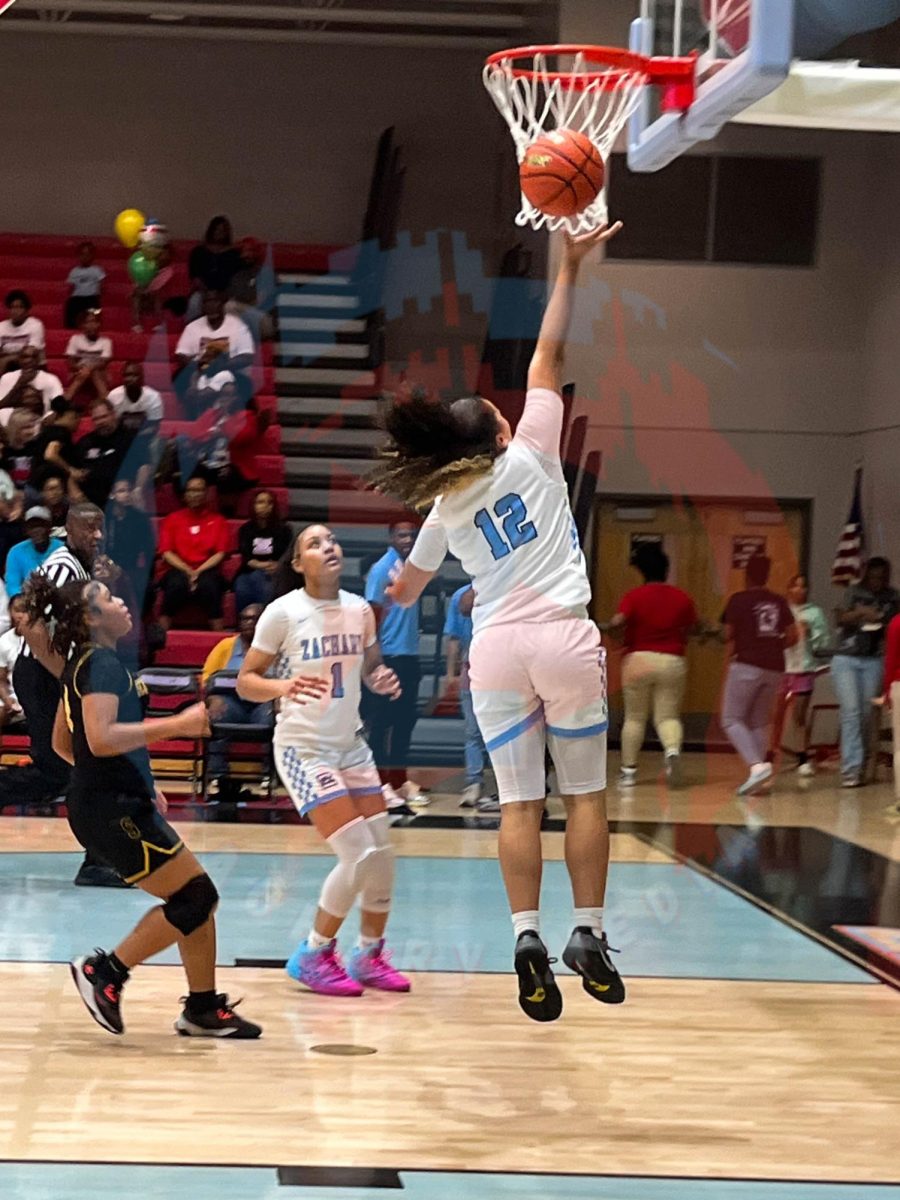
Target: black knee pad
x: 192, y: 905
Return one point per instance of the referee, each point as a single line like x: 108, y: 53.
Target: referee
x: 38, y: 669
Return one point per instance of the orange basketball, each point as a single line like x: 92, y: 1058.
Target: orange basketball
x: 561, y: 172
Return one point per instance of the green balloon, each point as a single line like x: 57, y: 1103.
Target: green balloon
x: 141, y: 268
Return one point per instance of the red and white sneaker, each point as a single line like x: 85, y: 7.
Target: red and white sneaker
x: 102, y: 997
x: 373, y: 969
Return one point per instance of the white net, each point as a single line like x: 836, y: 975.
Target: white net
x: 578, y: 93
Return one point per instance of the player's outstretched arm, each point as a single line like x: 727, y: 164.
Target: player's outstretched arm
x: 545, y: 370
x: 376, y: 676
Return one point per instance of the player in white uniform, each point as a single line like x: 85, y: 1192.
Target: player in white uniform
x: 325, y: 641
x: 537, y: 668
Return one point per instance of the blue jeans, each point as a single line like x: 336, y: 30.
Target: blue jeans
x: 857, y: 681
x: 253, y: 587
x: 236, y: 712
x: 475, y: 753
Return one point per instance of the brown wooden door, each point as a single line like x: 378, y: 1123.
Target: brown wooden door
x: 707, y: 543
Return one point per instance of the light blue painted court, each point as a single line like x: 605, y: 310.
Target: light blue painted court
x: 39, y: 1181
x: 450, y: 914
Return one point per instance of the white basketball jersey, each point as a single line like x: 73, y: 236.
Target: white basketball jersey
x: 513, y: 530
x: 325, y: 638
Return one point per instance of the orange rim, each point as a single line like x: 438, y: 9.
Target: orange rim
x: 619, y: 63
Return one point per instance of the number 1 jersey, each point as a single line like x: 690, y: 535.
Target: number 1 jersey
x: 325, y: 638
x: 513, y: 529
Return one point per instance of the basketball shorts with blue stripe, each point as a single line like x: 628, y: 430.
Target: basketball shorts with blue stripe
x: 313, y: 776
x: 542, y: 685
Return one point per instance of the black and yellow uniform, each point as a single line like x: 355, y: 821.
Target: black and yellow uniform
x: 110, y: 799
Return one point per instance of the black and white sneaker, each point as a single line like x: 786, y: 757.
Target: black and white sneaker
x: 219, y: 1022
x: 588, y: 956
x: 101, y: 996
x: 539, y: 995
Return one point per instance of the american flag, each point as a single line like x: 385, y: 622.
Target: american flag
x: 848, y: 560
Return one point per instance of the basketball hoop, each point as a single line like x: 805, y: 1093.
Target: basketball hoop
x: 590, y: 89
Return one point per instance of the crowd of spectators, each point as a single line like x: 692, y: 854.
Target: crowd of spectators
x: 86, y: 426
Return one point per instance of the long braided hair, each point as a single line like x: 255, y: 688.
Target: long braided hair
x: 435, y: 446
x: 63, y: 610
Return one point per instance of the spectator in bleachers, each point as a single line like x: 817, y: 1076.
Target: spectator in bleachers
x: 139, y: 407
x: 20, y: 329
x: 225, y: 440
x: 13, y: 384
x: 89, y: 355
x: 213, y: 263
x: 193, y: 543
x: 261, y: 542
x: 28, y: 555
x: 19, y: 437
x: 11, y: 643
x: 100, y: 455
x: 130, y: 541
x: 249, y: 298
x: 458, y: 632
x: 151, y: 300
x: 228, y: 655
x: 54, y: 499
x: 86, y: 282
x: 12, y: 527
x: 215, y: 342
x: 54, y: 450
x: 140, y: 410
x: 392, y: 721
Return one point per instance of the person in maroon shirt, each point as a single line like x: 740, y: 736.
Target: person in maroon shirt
x: 656, y: 621
x: 759, y: 625
x: 193, y: 542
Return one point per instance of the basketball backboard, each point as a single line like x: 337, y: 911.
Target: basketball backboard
x: 744, y: 50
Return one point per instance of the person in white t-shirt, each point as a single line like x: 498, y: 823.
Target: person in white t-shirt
x: 324, y: 639
x: 86, y: 282
x: 89, y: 356
x: 537, y: 669
x: 11, y: 643
x: 140, y: 410
x: 29, y: 377
x: 20, y: 329
x: 217, y: 341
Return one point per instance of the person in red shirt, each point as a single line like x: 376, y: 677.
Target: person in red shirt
x: 193, y: 542
x: 656, y: 620
x: 892, y: 693
x: 760, y: 626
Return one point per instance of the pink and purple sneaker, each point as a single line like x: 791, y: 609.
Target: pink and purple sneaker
x: 321, y: 970
x: 372, y: 968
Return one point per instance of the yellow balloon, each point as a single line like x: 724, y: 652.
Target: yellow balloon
x: 129, y: 224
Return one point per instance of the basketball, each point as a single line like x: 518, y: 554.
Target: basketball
x: 561, y: 173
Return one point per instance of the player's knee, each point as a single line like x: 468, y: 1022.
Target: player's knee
x: 377, y: 875
x: 192, y: 905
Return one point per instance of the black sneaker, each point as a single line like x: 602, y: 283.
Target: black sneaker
x: 219, y: 1022
x: 101, y: 996
x: 97, y: 875
x: 588, y: 956
x: 539, y: 996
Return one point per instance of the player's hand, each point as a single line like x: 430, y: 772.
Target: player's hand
x: 162, y: 804
x: 384, y: 682
x: 579, y: 247
x: 193, y: 722
x: 305, y: 687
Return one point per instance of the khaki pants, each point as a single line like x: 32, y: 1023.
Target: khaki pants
x: 657, y: 680
x: 895, y: 719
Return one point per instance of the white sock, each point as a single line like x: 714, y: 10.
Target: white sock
x: 315, y: 941
x: 367, y: 943
x: 526, y: 920
x: 591, y: 918
x: 758, y: 768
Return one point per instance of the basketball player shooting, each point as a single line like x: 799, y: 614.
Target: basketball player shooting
x: 500, y: 504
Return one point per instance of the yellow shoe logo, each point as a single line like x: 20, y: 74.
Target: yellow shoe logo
x: 598, y: 987
x: 538, y: 996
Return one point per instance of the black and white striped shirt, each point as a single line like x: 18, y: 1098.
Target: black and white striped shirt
x: 60, y: 567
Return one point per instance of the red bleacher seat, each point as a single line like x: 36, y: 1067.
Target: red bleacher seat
x: 188, y: 647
